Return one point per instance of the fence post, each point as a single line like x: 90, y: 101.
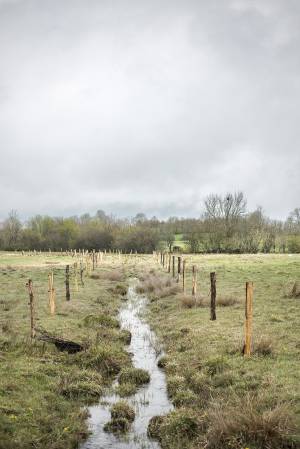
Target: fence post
x: 81, y: 273
x: 31, y: 305
x: 194, y: 280
x: 169, y: 263
x: 248, y: 318
x: 179, y: 268
x: 183, y: 276
x: 93, y: 257
x: 68, y: 296
x: 213, y: 294
x: 75, y: 277
x: 173, y: 266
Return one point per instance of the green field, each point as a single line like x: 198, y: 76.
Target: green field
x: 222, y: 399
x: 229, y: 400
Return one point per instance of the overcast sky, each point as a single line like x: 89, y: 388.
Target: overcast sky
x: 139, y: 105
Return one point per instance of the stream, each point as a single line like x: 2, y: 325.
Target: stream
x: 148, y: 401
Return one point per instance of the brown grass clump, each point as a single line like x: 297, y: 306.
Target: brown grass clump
x: 187, y: 301
x: 249, y: 422
x: 226, y: 301
x: 158, y: 286
x: 295, y: 291
x: 264, y: 346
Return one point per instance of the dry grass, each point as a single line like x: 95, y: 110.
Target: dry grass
x: 264, y: 346
x: 226, y: 301
x: 112, y: 275
x: 187, y: 301
x: 249, y: 422
x: 158, y: 286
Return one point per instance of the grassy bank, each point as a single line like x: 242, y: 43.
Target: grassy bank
x: 221, y: 398
x: 43, y: 390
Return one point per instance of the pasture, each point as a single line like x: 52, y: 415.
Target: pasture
x: 221, y: 398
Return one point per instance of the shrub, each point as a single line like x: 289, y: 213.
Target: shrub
x: 122, y: 410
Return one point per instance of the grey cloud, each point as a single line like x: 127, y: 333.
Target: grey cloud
x: 135, y: 105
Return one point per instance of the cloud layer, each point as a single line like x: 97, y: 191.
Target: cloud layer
x: 135, y: 106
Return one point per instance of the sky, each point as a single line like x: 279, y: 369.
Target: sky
x: 148, y: 106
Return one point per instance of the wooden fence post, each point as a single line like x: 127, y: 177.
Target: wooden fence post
x: 75, y: 277
x: 183, y: 276
x: 173, y: 266
x: 81, y: 273
x: 68, y: 295
x: 213, y: 294
x: 93, y: 257
x: 248, y: 318
x: 31, y: 305
x: 179, y: 268
x: 194, y: 280
x: 169, y: 263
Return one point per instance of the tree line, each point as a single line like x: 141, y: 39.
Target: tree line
x: 225, y: 226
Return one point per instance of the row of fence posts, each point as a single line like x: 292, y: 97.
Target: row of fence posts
x: 91, y: 262
x: 168, y: 259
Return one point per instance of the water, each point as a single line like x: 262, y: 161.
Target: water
x: 150, y: 400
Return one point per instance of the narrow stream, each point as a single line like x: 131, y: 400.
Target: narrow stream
x: 150, y: 400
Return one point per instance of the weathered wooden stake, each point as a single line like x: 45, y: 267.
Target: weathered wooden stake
x: 75, y: 277
x: 183, y: 276
x: 248, y: 318
x: 178, y: 269
x: 194, y: 280
x: 51, y: 293
x: 68, y: 295
x: 169, y: 263
x: 173, y: 266
x: 31, y: 305
x: 213, y: 294
x: 81, y: 273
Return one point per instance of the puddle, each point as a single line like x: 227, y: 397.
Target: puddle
x: 149, y: 400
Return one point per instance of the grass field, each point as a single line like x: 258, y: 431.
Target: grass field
x: 42, y: 390
x: 222, y: 399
